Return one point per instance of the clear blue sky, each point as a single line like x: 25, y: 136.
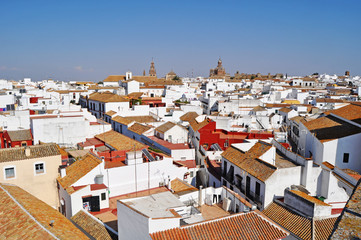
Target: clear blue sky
x: 89, y: 40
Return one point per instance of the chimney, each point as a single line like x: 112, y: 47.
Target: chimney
x: 62, y: 172
x: 200, y: 196
x: 27, y: 151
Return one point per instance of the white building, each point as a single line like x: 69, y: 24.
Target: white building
x: 66, y: 129
x: 172, y: 132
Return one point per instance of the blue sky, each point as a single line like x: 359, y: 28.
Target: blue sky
x: 89, y: 40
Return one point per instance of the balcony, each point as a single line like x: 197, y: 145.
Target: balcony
x: 251, y: 196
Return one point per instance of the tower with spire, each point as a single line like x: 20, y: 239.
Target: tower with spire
x: 152, y: 71
x: 219, y: 71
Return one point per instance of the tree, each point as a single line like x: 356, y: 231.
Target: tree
x: 176, y: 78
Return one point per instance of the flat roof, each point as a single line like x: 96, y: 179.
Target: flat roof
x: 156, y: 206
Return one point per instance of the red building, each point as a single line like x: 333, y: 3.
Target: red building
x: 153, y: 101
x: 17, y: 138
x: 210, y: 135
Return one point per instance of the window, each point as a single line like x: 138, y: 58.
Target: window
x: 191, y: 174
x: 224, y: 168
x: 226, y: 144
x: 9, y: 172
x: 23, y: 144
x: 103, y: 196
x: 346, y: 157
x: 258, y: 189
x: 39, y: 168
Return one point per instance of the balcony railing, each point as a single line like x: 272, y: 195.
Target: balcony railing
x: 250, y: 194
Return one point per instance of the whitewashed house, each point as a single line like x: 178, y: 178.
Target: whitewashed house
x: 172, y: 132
x: 334, y: 138
x: 100, y: 103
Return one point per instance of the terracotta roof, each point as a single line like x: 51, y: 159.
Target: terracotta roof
x: 145, y: 79
x: 78, y: 170
x: 20, y: 135
x: 90, y: 225
x: 348, y: 225
x: 350, y: 112
x: 259, y: 109
x: 252, y: 225
x: 187, y: 163
x: 165, y: 127
x: 329, y: 165
x: 179, y: 186
x: 299, y: 119
x: 309, y: 198
x: 130, y: 119
x: 276, y: 105
x: 329, y: 100
x: 107, y: 97
x: 198, y: 125
x: 119, y: 141
x: 139, y: 128
x: 299, y: 225
x: 249, y: 161
x: 286, y: 110
x: 329, y: 128
x: 24, y: 216
x: 352, y: 173
x: 95, y: 87
x: 135, y: 95
x: 36, y: 151
x: 114, y: 78
x: 110, y: 113
x: 188, y: 116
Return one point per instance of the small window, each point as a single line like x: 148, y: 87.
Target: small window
x: 191, y: 174
x: 103, y: 196
x: 346, y: 157
x: 9, y: 172
x: 39, y: 168
x: 23, y: 144
x: 258, y: 188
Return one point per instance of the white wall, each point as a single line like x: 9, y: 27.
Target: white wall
x: 177, y: 134
x: 162, y: 224
x: 279, y: 181
x: 183, y: 154
x: 131, y: 224
x: 15, y: 121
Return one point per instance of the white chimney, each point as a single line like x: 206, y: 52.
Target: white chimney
x: 27, y: 151
x: 62, y: 172
x: 200, y: 196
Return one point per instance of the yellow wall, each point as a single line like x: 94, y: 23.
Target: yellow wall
x: 42, y: 186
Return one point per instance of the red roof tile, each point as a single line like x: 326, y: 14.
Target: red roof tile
x: 250, y: 225
x: 94, y: 187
